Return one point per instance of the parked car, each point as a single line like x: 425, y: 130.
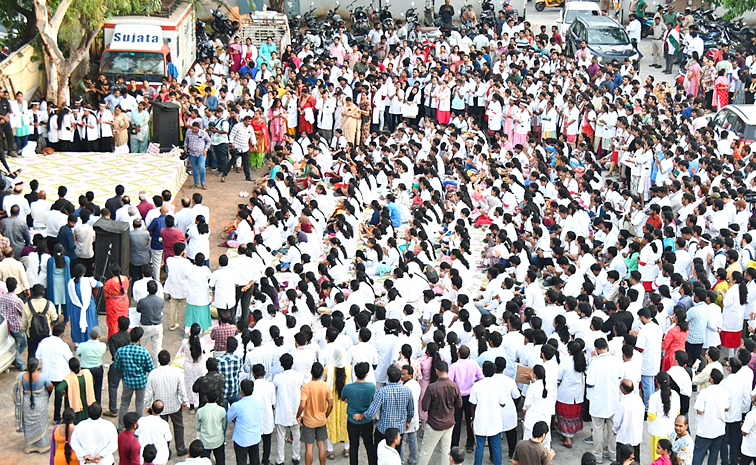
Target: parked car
x: 739, y: 121
x: 605, y: 37
x: 7, y: 346
x: 572, y: 10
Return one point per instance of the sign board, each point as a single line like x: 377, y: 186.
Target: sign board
x: 129, y: 37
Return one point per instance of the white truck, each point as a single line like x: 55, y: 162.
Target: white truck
x: 142, y: 47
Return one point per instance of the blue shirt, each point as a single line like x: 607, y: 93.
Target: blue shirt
x: 246, y: 413
x: 697, y: 319
x: 395, y: 404
x: 396, y: 216
x: 155, y: 227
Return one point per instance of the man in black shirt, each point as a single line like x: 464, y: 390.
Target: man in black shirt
x: 5, y: 128
x: 212, y: 380
x: 116, y: 341
x: 446, y: 12
x: 114, y: 203
x: 62, y: 201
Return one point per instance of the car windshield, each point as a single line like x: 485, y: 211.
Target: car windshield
x: 572, y: 14
x: 133, y: 63
x: 607, y: 36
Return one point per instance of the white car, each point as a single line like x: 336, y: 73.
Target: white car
x: 572, y: 10
x: 7, y: 346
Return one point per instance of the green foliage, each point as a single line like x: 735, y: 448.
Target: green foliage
x: 735, y: 8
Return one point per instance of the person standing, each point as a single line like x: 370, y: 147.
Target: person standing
x: 209, y: 381
x: 11, y: 308
x: 31, y: 398
x: 198, y: 294
x: 150, y: 309
x: 711, y: 406
x: 464, y: 372
x: 91, y: 353
x: 128, y: 446
x: 135, y: 363
x: 38, y: 317
x: 153, y: 429
x: 115, y: 342
x: 95, y: 439
x: 195, y: 145
x: 628, y: 419
x: 116, y: 295
x: 54, y: 354
x: 166, y: 383
x: 387, y: 449
x: 315, y: 405
x: 657, y: 43
x: 358, y: 396
x: 288, y: 398
x: 242, y: 139
x: 211, y: 427
x: 81, y: 305
x: 265, y: 392
x: 229, y: 365
x: 410, y: 435
x: 603, y: 388
x: 441, y: 400
x: 393, y: 402
x: 175, y: 281
x: 219, y: 129
x: 245, y: 414
x: 487, y: 399
x: 649, y: 342
x: 140, y: 129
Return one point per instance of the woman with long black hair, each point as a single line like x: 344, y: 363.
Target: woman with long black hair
x: 194, y: 362
x: 733, y: 309
x: 337, y: 375
x: 569, y: 401
x: 58, y: 276
x: 663, y: 408
x: 116, y: 298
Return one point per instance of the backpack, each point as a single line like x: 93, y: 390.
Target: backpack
x: 39, y: 327
x: 431, y: 274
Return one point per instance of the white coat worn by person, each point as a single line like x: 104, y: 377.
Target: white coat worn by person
x: 603, y: 380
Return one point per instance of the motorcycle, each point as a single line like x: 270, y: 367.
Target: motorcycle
x: 334, y: 18
x: 429, y: 13
x: 386, y: 18
x: 487, y: 13
x: 359, y: 19
x: 542, y: 4
x: 309, y: 17
x: 205, y: 47
x: 295, y: 26
x: 222, y: 25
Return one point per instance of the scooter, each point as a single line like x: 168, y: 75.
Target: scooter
x: 428, y: 13
x: 359, y: 19
x: 222, y: 25
x: 542, y: 4
x: 387, y: 20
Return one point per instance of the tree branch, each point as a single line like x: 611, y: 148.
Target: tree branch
x: 47, y: 34
x: 60, y: 13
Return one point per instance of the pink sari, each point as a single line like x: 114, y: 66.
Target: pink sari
x: 235, y: 50
x: 693, y: 79
x: 277, y: 124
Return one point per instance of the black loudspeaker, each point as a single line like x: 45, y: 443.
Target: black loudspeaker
x: 165, y: 125
x: 112, y: 245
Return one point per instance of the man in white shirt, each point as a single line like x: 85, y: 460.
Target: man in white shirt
x: 649, y: 340
x: 94, y: 440
x: 628, y: 419
x: 288, y: 394
x: 738, y: 384
x: 152, y: 429
x: 223, y: 282
x: 54, y: 354
x: 711, y: 406
x: 603, y: 382
x: 487, y: 399
x: 387, y: 453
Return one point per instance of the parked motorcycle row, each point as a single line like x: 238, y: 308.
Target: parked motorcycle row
x: 220, y: 25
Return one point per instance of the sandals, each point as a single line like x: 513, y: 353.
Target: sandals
x: 346, y: 453
x: 331, y: 456
x: 564, y: 444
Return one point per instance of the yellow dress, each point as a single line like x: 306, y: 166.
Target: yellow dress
x: 337, y: 420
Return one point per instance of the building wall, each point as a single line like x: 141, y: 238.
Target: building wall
x: 19, y: 72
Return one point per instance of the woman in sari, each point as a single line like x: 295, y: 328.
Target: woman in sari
x: 58, y: 274
x: 675, y: 339
x: 721, y: 91
x: 306, y: 112
x: 337, y: 375
x: 116, y: 298
x: 351, y: 120
x: 366, y: 111
x: 257, y: 152
x: 235, y: 50
x: 61, y: 451
x: 198, y: 295
x: 708, y: 76
x: 569, y: 403
x: 30, y: 397
x: 81, y: 305
x: 120, y: 131
x: 277, y: 118
x: 693, y: 77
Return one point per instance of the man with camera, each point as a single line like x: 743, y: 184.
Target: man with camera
x: 218, y: 127
x: 242, y: 138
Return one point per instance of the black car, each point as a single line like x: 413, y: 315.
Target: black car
x: 605, y: 37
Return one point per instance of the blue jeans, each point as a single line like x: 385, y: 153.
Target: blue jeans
x: 494, y: 443
x: 411, y: 440
x: 20, y: 338
x: 703, y: 445
x: 648, y: 388
x: 198, y: 169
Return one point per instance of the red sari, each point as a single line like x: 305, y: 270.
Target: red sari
x: 673, y: 341
x: 304, y: 125
x: 116, y: 302
x: 721, y: 93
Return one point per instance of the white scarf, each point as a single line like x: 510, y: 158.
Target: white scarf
x: 86, y: 296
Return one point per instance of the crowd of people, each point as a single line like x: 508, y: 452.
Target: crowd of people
x: 473, y: 242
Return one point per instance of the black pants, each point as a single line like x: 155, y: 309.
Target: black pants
x: 10, y: 146
x: 32, y: 344
x: 731, y: 441
x: 106, y: 144
x: 364, y: 431
x: 88, y: 265
x: 177, y: 419
x: 457, y: 431
x: 220, y: 157
x: 746, y: 460
x: 511, y: 441
x: 694, y: 352
x: 97, y: 374
x: 58, y: 401
x: 669, y: 59
x: 219, y: 453
x: 253, y: 452
x: 245, y: 297
x: 114, y: 379
x: 245, y: 163
x: 266, y: 440
x: 636, y: 451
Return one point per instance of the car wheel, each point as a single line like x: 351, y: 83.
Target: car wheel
x: 539, y: 6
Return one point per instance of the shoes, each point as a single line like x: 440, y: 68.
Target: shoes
x: 111, y: 414
x: 203, y: 187
x: 295, y: 461
x: 182, y: 453
x: 469, y: 450
x: 599, y: 461
x: 223, y: 179
x: 588, y: 440
x: 606, y: 455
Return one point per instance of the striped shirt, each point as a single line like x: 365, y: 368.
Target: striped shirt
x: 697, y: 318
x: 11, y: 308
x: 229, y: 365
x: 196, y: 143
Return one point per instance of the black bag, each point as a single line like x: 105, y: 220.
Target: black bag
x: 39, y: 327
x: 431, y: 274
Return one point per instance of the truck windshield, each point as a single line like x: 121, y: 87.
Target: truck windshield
x: 139, y: 65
